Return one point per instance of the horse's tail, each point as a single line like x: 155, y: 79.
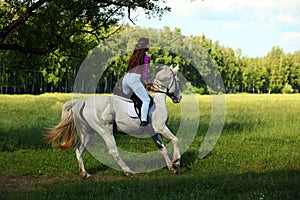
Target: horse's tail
x: 64, y: 134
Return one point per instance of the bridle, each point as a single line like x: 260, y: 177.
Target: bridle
x: 160, y: 88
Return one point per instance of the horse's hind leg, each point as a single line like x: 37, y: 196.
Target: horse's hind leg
x: 79, y: 149
x: 114, y: 152
x: 105, y: 130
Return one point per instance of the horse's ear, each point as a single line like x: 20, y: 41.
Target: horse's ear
x: 171, y: 66
x: 176, y: 68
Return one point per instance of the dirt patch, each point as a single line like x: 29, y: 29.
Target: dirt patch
x: 27, y: 183
x: 30, y: 183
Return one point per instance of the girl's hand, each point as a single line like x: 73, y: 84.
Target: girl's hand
x: 148, y: 87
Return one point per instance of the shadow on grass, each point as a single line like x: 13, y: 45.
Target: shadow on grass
x: 281, y: 184
x: 96, y: 169
x: 23, y: 138
x: 238, y: 127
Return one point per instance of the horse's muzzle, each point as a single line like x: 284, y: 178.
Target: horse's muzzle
x: 177, y: 100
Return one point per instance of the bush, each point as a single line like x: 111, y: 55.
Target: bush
x: 190, y: 89
x: 287, y: 89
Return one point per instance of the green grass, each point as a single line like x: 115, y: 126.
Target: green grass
x: 256, y: 157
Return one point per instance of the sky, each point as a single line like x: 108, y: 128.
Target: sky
x: 254, y: 26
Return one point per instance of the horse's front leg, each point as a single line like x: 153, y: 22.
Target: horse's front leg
x: 163, y: 150
x: 176, y: 155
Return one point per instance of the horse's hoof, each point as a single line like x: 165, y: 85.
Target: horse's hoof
x: 175, y: 168
x: 175, y: 171
x: 85, y: 175
x: 129, y: 174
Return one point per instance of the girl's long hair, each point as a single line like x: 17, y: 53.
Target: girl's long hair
x: 137, y: 58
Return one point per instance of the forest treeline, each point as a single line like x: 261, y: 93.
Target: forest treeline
x: 276, y: 72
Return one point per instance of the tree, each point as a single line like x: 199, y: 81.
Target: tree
x: 197, y: 56
x: 274, y: 67
x: 254, y: 73
x: 42, y: 26
x: 295, y: 69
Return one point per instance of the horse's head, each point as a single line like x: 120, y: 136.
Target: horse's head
x: 167, y: 81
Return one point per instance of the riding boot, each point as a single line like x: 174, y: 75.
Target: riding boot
x: 144, y: 123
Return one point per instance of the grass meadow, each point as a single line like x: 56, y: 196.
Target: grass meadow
x: 256, y: 157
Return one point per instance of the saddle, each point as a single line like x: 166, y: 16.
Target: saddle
x: 138, y: 105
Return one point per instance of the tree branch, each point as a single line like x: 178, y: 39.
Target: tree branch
x: 29, y: 12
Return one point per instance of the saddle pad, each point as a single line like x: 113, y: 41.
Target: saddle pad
x: 130, y: 109
x: 129, y: 105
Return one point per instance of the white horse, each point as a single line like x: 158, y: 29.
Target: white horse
x: 100, y: 113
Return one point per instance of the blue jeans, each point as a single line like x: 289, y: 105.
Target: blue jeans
x: 132, y: 83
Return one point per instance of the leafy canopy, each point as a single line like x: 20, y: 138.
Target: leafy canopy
x: 41, y: 26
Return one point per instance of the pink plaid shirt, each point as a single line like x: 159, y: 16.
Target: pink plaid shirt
x: 145, y: 67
